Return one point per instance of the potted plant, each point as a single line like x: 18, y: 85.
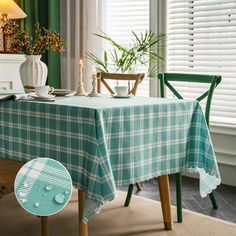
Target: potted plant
x: 126, y: 58
x: 33, y: 71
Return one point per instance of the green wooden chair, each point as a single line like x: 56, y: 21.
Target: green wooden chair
x: 165, y: 82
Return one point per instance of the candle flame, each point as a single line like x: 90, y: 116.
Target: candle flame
x: 94, y: 71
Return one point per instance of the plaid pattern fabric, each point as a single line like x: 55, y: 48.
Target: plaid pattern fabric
x: 106, y: 142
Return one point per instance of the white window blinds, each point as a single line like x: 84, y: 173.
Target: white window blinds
x: 123, y: 17
x: 201, y: 39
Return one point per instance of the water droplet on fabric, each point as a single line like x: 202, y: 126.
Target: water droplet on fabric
x: 24, y: 200
x: 26, y: 184
x: 60, y: 198
x: 49, y: 187
x: 22, y: 194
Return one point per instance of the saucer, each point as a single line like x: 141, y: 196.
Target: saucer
x: 49, y: 97
x: 121, y: 96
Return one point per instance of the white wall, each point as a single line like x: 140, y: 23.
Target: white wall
x: 224, y: 141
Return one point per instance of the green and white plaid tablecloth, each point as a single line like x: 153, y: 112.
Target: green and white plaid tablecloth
x: 106, y: 142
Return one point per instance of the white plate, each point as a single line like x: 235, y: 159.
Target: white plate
x: 61, y: 92
x: 121, y: 96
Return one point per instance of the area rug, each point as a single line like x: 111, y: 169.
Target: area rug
x: 142, y: 218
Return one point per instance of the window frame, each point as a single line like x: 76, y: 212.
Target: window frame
x: 158, y: 23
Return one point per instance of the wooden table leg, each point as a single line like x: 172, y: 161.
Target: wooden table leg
x: 164, y: 189
x: 83, y: 228
x: 44, y: 225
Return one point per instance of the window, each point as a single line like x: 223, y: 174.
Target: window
x: 201, y: 38
x: 123, y: 17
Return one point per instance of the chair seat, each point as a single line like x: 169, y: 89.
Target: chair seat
x: 8, y: 171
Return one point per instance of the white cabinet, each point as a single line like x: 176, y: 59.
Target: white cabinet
x: 9, y: 71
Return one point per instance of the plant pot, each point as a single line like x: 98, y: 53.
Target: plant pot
x: 33, y: 71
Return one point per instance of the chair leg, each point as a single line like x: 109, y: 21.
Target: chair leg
x: 44, y: 225
x: 179, y: 197
x: 129, y: 195
x: 213, y: 200
x: 138, y: 186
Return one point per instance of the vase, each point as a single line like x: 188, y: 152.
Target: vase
x: 33, y: 71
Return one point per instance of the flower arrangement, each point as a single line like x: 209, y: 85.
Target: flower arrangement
x: 43, y: 40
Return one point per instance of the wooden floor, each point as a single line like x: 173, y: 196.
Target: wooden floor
x: 225, y: 196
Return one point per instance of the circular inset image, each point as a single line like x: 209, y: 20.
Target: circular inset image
x: 43, y: 186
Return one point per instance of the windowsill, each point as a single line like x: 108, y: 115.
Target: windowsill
x: 223, y: 128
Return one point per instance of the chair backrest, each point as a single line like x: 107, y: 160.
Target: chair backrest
x: 103, y: 77
x: 212, y: 80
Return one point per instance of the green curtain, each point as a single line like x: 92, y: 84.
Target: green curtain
x: 47, y: 13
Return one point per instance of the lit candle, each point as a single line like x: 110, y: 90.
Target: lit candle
x: 81, y: 68
x: 94, y: 72
x: 81, y: 62
x: 94, y: 83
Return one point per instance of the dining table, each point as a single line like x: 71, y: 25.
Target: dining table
x: 106, y: 142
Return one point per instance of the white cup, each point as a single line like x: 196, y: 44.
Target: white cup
x: 121, y: 90
x: 43, y: 90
